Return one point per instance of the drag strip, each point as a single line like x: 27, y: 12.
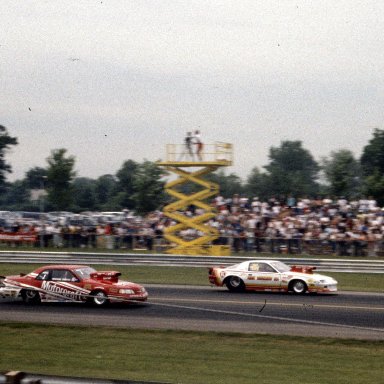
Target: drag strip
x: 346, y: 315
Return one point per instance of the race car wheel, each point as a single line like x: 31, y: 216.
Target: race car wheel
x: 298, y: 286
x: 235, y: 284
x: 99, y: 298
x: 30, y: 296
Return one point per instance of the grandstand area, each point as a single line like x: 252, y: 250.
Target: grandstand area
x: 319, y: 227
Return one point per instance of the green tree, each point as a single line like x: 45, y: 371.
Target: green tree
x: 292, y: 170
x: 105, y: 189
x: 372, y: 165
x: 342, y: 171
x: 6, y: 141
x: 374, y: 186
x: 125, y: 188
x: 36, y: 177
x: 228, y: 184
x: 257, y: 184
x: 372, y: 158
x: 84, y: 192
x: 60, y: 176
x: 148, y: 187
x: 17, y: 197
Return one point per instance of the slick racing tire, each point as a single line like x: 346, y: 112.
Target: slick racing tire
x: 30, y: 296
x: 235, y: 284
x: 99, y: 299
x: 298, y: 286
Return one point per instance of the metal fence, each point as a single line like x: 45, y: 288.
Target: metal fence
x: 242, y: 245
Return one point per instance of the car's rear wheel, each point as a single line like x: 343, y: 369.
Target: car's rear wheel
x: 30, y: 296
x: 298, y: 286
x: 99, y: 298
x: 235, y: 284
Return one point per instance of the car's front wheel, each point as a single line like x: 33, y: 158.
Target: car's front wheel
x: 99, y: 298
x: 298, y: 286
x: 235, y: 284
x: 30, y: 296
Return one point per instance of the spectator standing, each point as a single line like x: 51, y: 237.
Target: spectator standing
x: 100, y: 240
x: 109, y: 236
x: 199, y: 145
x: 187, y: 148
x: 188, y: 145
x: 57, y: 239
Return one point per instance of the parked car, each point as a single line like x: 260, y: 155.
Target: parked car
x: 271, y: 275
x: 73, y: 283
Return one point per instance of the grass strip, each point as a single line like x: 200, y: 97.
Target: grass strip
x: 363, y: 282
x: 187, y: 357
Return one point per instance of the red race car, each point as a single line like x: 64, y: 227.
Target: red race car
x: 74, y: 283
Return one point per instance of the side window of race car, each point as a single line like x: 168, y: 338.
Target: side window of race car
x: 265, y: 268
x: 260, y: 267
x: 253, y: 267
x: 63, y: 275
x: 43, y: 275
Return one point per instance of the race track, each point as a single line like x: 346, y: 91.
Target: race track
x: 346, y: 315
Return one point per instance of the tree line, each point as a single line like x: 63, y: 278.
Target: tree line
x: 291, y: 171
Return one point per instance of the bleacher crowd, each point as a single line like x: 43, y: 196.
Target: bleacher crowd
x: 314, y: 226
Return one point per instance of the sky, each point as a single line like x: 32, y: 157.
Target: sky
x: 115, y: 80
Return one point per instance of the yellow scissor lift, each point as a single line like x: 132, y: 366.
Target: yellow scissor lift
x: 178, y: 158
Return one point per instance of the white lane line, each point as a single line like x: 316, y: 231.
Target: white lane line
x: 280, y: 318
x: 308, y: 305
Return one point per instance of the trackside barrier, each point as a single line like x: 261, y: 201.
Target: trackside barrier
x: 157, y: 243
x: 17, y: 377
x: 89, y: 258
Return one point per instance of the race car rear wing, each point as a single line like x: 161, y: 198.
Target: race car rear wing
x: 303, y: 269
x: 110, y: 276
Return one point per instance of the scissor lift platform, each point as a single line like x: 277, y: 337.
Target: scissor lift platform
x: 178, y: 159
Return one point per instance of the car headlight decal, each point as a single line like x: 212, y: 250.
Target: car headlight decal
x: 126, y: 291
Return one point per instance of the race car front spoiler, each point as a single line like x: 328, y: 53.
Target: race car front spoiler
x: 9, y: 292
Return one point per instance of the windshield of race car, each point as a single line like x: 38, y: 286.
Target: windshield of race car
x: 84, y: 273
x: 281, y: 267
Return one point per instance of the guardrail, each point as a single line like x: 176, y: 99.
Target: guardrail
x: 329, y: 265
x: 157, y: 243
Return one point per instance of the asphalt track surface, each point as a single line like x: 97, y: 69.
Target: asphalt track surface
x: 345, y: 315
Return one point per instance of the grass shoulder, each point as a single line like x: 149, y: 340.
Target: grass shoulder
x: 186, y: 357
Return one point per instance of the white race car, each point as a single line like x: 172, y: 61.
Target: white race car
x: 271, y: 275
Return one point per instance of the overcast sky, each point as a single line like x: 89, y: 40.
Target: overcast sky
x: 117, y: 80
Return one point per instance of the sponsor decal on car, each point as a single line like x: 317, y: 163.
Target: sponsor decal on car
x: 54, y: 288
x: 266, y: 278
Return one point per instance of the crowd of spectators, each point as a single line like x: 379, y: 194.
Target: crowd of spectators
x: 318, y: 226
x: 315, y: 226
